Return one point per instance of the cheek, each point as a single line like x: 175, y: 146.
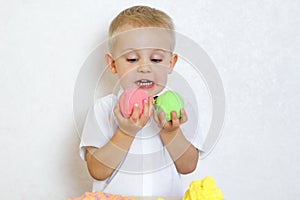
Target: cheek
x: 162, y: 70
x: 161, y: 78
x: 126, y: 76
x: 121, y: 69
x: 125, y: 72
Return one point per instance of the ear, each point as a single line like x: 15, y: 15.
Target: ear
x: 110, y: 63
x: 173, y: 61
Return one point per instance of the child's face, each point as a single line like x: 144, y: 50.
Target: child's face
x: 146, y: 69
x: 142, y: 62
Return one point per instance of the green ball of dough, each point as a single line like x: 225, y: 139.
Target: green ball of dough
x: 167, y: 102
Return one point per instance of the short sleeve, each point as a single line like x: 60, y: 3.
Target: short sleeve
x: 99, y: 124
x: 191, y: 128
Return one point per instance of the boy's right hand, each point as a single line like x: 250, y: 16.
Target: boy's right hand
x: 135, y: 123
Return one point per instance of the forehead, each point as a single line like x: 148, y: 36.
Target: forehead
x: 142, y: 38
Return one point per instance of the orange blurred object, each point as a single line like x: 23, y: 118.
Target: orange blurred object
x: 101, y: 196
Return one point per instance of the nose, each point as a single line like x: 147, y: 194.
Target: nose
x: 144, y: 68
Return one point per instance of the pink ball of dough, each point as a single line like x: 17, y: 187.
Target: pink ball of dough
x: 130, y: 97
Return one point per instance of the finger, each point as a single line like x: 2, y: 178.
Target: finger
x: 145, y: 115
x: 155, y: 116
x: 135, y: 113
x: 163, y: 120
x: 183, y: 117
x: 175, y: 120
x: 146, y: 108
x: 117, y: 112
x: 150, y: 103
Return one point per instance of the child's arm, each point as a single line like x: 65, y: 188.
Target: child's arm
x: 183, y: 153
x: 103, y: 161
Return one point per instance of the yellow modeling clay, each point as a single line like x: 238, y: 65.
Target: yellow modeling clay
x: 204, y: 189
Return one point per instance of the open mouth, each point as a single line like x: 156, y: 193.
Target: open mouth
x: 144, y: 83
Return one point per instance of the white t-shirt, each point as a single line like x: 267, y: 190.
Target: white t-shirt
x: 148, y: 169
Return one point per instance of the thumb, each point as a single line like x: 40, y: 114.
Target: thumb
x: 155, y: 116
x: 117, y: 112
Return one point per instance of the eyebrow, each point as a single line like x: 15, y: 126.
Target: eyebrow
x: 161, y: 50
x: 135, y: 49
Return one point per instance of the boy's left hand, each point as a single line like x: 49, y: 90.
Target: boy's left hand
x: 174, y: 124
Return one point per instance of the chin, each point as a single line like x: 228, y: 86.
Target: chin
x: 154, y: 91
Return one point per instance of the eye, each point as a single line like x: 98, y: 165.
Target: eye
x: 156, y: 60
x: 131, y: 60
x: 157, y: 57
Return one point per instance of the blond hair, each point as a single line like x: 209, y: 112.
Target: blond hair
x: 141, y: 16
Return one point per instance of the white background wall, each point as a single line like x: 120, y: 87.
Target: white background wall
x: 255, y: 46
